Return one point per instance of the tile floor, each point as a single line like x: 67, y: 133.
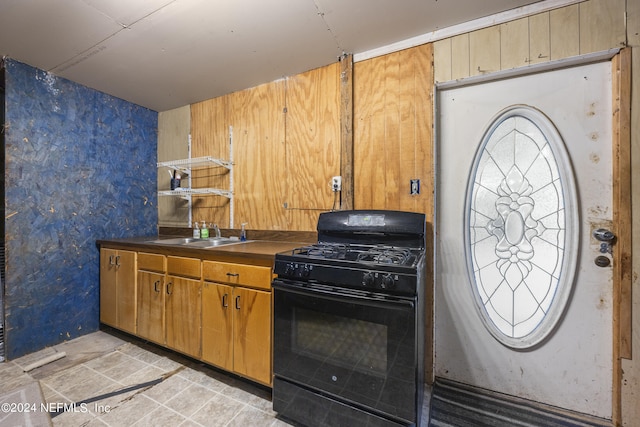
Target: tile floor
x: 126, y: 382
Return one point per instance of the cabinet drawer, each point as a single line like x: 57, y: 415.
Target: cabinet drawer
x: 151, y: 262
x: 186, y: 267
x: 237, y: 274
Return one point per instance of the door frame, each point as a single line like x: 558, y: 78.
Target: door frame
x: 621, y: 190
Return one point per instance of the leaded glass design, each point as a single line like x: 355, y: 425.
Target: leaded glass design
x: 521, y: 222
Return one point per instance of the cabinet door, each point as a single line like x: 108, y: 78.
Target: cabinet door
x: 151, y: 294
x: 108, y: 286
x: 217, y: 325
x: 118, y: 289
x: 126, y: 290
x: 183, y: 314
x: 252, y: 334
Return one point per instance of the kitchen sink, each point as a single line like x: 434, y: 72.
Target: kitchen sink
x: 175, y: 241
x: 212, y: 242
x: 196, y: 243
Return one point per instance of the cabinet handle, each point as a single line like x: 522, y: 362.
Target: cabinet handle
x: 111, y: 260
x: 225, y: 302
x: 238, y: 302
x: 169, y: 287
x: 233, y: 274
x: 118, y: 261
x: 155, y: 286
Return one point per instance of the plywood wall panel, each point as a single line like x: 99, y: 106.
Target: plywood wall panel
x: 312, y: 137
x: 302, y: 219
x: 460, y: 65
x: 442, y: 55
x: 210, y: 137
x: 173, y: 143
x: 368, y: 127
x: 393, y: 147
x: 257, y: 116
x: 602, y: 25
x: 424, y: 141
x: 484, y: 51
x: 564, y: 32
x: 539, y: 38
x: 392, y: 130
x: 514, y: 44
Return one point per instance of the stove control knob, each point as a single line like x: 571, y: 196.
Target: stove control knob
x: 305, y: 271
x: 388, y: 282
x: 289, y: 269
x: 368, y: 279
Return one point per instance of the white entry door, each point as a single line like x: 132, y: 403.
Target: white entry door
x: 524, y: 178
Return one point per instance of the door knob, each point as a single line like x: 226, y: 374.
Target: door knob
x: 604, y: 235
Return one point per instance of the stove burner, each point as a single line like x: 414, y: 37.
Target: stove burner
x: 326, y: 250
x: 378, y: 254
x: 386, y: 255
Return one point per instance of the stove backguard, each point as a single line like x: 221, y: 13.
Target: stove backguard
x: 373, y: 227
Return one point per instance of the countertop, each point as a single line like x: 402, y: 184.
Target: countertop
x: 262, y: 251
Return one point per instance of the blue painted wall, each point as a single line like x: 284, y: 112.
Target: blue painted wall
x: 80, y: 166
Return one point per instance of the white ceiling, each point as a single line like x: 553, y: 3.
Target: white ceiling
x: 164, y: 54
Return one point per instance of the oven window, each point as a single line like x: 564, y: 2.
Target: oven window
x: 350, y: 343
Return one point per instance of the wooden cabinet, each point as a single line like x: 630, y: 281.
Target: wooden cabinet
x: 118, y: 289
x: 218, y: 312
x: 169, y: 305
x: 183, y: 305
x: 252, y: 334
x: 236, y: 319
x: 217, y: 325
x: 151, y: 296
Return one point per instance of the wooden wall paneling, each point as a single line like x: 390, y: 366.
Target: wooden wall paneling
x: 631, y: 368
x: 424, y: 141
x: 173, y: 144
x: 257, y: 117
x: 622, y: 193
x: 393, y: 130
x: 346, y: 131
x: 302, y: 219
x: 415, y: 118
x: 368, y: 95
x: 460, y: 58
x: 484, y: 51
x: 602, y: 25
x: 210, y: 137
x: 564, y: 32
x: 397, y: 69
x: 514, y: 44
x: 312, y: 137
x: 442, y: 57
x: 539, y: 38
x: 622, y: 219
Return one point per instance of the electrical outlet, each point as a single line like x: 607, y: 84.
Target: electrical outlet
x: 336, y: 183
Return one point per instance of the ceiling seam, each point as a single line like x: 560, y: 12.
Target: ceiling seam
x: 320, y: 13
x: 96, y: 48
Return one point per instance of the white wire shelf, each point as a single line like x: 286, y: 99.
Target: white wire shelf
x: 186, y: 192
x: 197, y: 162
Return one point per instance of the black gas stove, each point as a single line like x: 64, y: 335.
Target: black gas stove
x: 349, y: 322
x: 371, y: 250
x: 379, y: 268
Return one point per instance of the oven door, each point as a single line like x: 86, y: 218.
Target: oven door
x: 356, y: 347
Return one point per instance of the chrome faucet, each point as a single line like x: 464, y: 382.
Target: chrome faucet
x: 217, y: 230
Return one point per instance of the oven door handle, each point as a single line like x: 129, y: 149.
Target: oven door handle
x: 332, y: 294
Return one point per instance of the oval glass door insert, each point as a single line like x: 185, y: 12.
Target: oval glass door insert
x: 521, y: 227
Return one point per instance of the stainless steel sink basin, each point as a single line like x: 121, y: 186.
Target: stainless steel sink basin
x: 175, y: 241
x: 196, y: 243
x: 212, y: 242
